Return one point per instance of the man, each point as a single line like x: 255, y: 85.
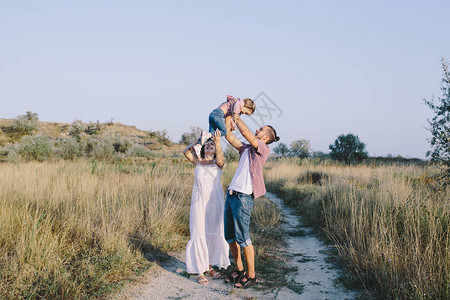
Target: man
x: 247, y: 184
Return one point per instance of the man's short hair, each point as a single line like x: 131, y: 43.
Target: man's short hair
x: 273, y: 135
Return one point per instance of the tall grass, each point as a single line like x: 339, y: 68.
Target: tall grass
x: 389, y: 223
x: 70, y: 230
x: 74, y: 230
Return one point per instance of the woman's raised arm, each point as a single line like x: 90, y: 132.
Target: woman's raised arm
x: 188, y: 153
x: 219, y: 153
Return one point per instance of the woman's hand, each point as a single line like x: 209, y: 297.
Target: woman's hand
x: 216, y: 137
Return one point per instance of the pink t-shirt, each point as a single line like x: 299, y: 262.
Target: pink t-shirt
x: 258, y: 158
x: 234, y: 105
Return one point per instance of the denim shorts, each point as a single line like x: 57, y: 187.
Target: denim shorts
x: 217, y: 121
x: 238, y: 209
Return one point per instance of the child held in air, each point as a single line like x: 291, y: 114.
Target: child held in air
x: 231, y: 107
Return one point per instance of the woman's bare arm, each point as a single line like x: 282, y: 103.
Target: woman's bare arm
x: 188, y: 153
x: 219, y: 153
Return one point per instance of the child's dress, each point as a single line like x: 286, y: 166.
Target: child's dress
x: 207, y: 245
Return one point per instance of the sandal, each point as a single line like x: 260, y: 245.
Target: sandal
x: 202, y: 279
x: 234, y: 279
x: 246, y: 282
x: 213, y: 273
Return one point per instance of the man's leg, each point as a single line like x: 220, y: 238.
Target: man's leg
x: 249, y: 253
x: 243, y: 237
x: 236, y: 253
x: 230, y: 237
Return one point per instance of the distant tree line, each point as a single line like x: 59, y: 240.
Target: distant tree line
x: 346, y: 148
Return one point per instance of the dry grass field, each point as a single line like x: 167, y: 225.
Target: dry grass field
x: 79, y: 229
x: 389, y: 224
x: 70, y: 229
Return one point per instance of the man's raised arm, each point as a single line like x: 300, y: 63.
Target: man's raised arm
x: 230, y: 136
x: 246, y: 132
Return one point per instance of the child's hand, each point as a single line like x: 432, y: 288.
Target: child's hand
x: 233, y: 127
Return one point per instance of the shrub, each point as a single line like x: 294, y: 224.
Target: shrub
x: 9, y: 153
x: 100, y: 148
x: 77, y: 129
x: 121, y: 144
x: 35, y: 148
x: 139, y: 151
x: 161, y: 136
x: 68, y: 148
x: 93, y: 128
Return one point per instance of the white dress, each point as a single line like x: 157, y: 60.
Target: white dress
x: 207, y: 245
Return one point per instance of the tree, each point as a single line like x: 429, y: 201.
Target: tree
x: 301, y: 148
x: 348, y: 148
x: 281, y: 150
x: 440, y: 123
x: 189, y: 137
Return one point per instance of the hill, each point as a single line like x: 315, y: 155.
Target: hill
x: 154, y: 140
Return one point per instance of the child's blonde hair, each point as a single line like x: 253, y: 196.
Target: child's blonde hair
x: 250, y: 104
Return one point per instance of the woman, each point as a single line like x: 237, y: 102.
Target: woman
x: 207, y: 246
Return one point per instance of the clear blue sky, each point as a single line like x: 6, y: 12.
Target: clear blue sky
x: 332, y: 67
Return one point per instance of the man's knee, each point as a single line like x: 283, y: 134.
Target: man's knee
x: 243, y: 243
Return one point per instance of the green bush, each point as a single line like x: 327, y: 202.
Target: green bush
x: 139, y: 151
x: 8, y: 153
x: 99, y: 148
x: 35, y: 148
x: 93, y: 128
x: 77, y: 129
x: 161, y: 136
x: 121, y: 144
x: 68, y: 148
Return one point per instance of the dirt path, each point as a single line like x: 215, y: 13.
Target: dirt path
x: 315, y: 278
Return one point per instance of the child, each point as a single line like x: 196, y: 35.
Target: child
x: 231, y: 107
